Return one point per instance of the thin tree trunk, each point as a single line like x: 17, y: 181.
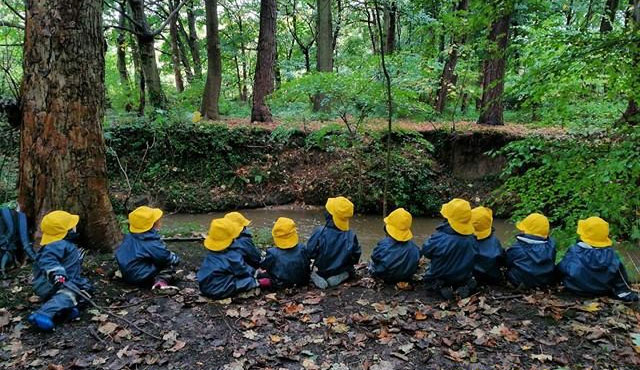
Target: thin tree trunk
x: 62, y: 151
x: 175, y: 50
x: 609, y: 16
x: 390, y: 27
x: 184, y: 58
x: 448, y: 78
x: 121, y: 51
x: 264, y: 79
x: 193, y: 41
x: 569, y: 13
x: 324, y: 54
x: 137, y: 67
x: 491, y: 110
x: 211, y: 94
x: 238, y: 77
x: 631, y: 115
x: 147, y: 55
x: 372, y: 36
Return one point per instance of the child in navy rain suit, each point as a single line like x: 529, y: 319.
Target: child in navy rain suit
x: 531, y: 260
x: 490, y: 257
x: 287, y: 264
x: 591, y: 267
x: 244, y: 242
x: 57, y: 271
x: 143, y: 257
x: 333, y: 247
x: 224, y: 272
x: 396, y: 257
x: 452, y: 250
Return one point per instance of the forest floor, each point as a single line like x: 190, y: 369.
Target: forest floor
x: 359, y: 325
x: 510, y: 128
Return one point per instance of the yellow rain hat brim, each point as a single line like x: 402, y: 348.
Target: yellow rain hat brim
x: 50, y: 238
x: 522, y: 226
x: 396, y: 233
x: 217, y: 245
x: 598, y: 243
x: 142, y: 228
x: 286, y: 242
x: 483, y: 234
x: 461, y: 227
x: 238, y: 218
x: 341, y: 210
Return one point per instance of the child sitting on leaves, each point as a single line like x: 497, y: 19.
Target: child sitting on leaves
x: 490, y: 257
x: 57, y: 271
x: 143, y: 258
x: 244, y: 242
x: 333, y: 247
x: 224, y: 272
x: 395, y: 258
x: 452, y: 250
x: 286, y: 264
x: 531, y: 260
x: 591, y: 266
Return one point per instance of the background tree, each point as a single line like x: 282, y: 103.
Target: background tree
x: 324, y: 54
x: 62, y: 154
x: 264, y: 77
x: 214, y: 63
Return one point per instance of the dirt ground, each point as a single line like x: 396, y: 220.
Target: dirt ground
x: 362, y: 324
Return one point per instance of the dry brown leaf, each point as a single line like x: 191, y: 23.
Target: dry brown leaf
x: 419, y: 316
x: 107, y: 328
x: 178, y: 346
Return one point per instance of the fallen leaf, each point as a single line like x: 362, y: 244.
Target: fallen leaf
x: 419, y: 316
x: 340, y: 328
x: 232, y: 312
x: 275, y: 338
x: 250, y: 334
x: 178, y: 346
x: 503, y: 331
x: 55, y: 367
x: 5, y: 317
x: 292, y: 308
x: 382, y: 365
x: 542, y: 357
x: 400, y: 356
x: 406, y: 348
x: 403, y: 285
x: 107, y: 328
x: 457, y: 356
x: 309, y: 364
x: 312, y: 300
x: 50, y: 352
x: 591, y: 307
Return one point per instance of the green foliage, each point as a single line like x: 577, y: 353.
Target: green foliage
x: 575, y: 178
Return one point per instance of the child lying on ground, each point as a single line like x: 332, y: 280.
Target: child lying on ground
x: 531, y: 260
x: 223, y: 272
x: 244, y: 242
x: 490, y: 257
x: 452, y: 250
x: 286, y: 264
x: 333, y: 247
x: 143, y: 258
x: 396, y: 257
x: 57, y: 271
x: 591, y: 267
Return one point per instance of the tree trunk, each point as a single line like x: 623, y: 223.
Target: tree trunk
x: 631, y: 115
x: 193, y: 41
x: 609, y: 16
x: 491, y: 108
x: 175, y: 50
x: 264, y: 79
x: 390, y: 26
x: 214, y: 63
x: 147, y: 55
x: 448, y: 78
x: 62, y: 152
x: 324, y: 54
x: 370, y: 21
x: 137, y: 67
x: 184, y: 57
x: 122, y: 51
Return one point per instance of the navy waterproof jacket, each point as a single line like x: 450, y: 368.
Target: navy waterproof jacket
x: 592, y: 271
x: 61, y: 257
x: 288, y: 267
x: 489, y: 260
x: 142, y: 255
x: 334, y: 251
x: 452, y: 255
x: 224, y: 274
x: 531, y: 261
x: 394, y: 261
x: 244, y: 245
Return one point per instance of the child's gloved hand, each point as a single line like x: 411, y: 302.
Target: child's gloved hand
x: 59, y: 279
x: 264, y: 283
x: 174, y: 259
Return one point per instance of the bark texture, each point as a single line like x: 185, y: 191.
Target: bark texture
x: 491, y: 108
x: 175, y: 49
x: 264, y: 78
x: 211, y: 94
x: 324, y: 54
x: 62, y: 152
x: 193, y: 41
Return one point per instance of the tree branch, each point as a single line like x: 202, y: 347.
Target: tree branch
x: 166, y: 21
x: 124, y: 13
x: 13, y: 10
x: 11, y: 25
x: 106, y: 27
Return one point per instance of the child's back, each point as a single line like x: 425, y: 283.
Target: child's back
x: 490, y: 256
x: 244, y: 242
x: 452, y: 255
x: 394, y: 261
x: 287, y: 267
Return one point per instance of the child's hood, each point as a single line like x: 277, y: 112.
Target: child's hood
x: 540, y: 250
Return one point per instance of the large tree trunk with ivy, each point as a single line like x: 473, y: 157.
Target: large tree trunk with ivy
x: 175, y: 49
x: 214, y: 63
x: 324, y: 54
x: 448, y: 78
x: 609, y: 16
x: 264, y: 78
x: 631, y: 115
x: 147, y: 55
x: 193, y: 41
x: 491, y: 108
x: 62, y: 152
